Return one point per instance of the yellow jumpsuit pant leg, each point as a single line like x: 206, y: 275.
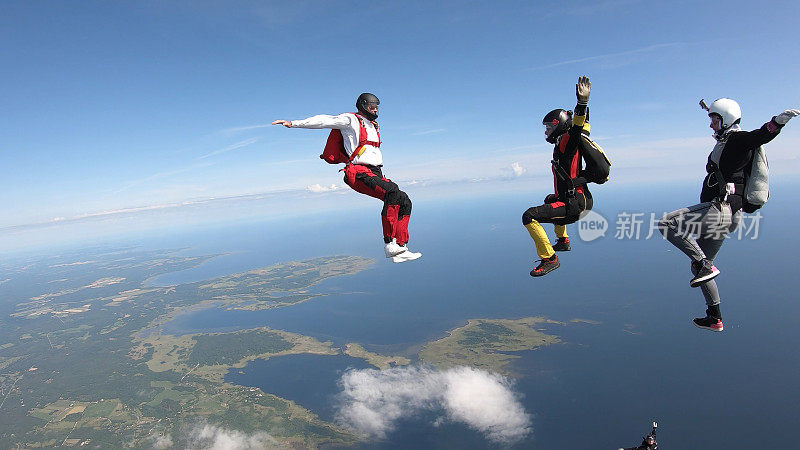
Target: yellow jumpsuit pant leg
x: 561, y: 231
x: 539, y: 236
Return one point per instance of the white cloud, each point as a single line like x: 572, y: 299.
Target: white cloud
x: 160, y: 442
x: 648, y: 49
x: 372, y: 401
x: 423, y: 133
x: 517, y: 169
x: 320, y: 188
x: 212, y: 437
x: 159, y: 175
x: 236, y: 146
x: 243, y: 128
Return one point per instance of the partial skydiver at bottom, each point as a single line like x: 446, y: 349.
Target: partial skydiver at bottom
x: 648, y: 442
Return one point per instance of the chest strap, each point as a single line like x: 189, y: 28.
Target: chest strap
x: 363, y: 141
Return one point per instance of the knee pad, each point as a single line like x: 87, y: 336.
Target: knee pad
x: 528, y: 216
x: 403, y: 198
x: 392, y: 197
x: 405, y: 203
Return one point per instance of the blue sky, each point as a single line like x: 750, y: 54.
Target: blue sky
x: 115, y: 106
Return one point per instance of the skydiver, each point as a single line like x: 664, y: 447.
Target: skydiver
x: 569, y: 134
x: 699, y: 230
x: 648, y: 442
x: 360, y: 141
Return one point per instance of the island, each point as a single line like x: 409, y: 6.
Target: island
x: 487, y: 343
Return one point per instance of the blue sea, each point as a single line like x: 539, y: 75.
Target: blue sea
x: 605, y: 383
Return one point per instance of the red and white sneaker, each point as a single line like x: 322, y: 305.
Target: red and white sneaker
x: 709, y: 323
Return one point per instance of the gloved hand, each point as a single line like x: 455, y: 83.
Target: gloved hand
x: 582, y: 90
x: 784, y: 117
x: 730, y: 189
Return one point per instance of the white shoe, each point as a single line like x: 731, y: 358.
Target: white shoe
x: 406, y: 256
x: 393, y: 249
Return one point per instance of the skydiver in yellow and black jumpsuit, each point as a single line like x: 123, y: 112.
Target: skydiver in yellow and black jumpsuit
x: 569, y: 133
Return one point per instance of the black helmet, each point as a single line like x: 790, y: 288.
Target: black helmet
x: 365, y: 99
x: 556, y: 123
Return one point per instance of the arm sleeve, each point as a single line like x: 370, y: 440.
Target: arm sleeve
x: 580, y: 111
x: 323, y: 121
x: 579, y: 117
x: 751, y: 139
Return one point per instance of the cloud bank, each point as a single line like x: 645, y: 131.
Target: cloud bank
x: 211, y: 437
x: 320, y: 188
x: 205, y: 436
x: 372, y: 401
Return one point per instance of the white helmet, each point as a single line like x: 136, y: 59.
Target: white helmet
x: 728, y: 110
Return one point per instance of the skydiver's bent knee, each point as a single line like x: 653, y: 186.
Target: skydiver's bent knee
x: 528, y: 216
x: 405, y: 203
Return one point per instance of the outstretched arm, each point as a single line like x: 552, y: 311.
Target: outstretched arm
x: 767, y: 132
x: 320, y: 121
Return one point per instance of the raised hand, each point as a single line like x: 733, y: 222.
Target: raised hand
x: 784, y: 117
x: 582, y: 90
